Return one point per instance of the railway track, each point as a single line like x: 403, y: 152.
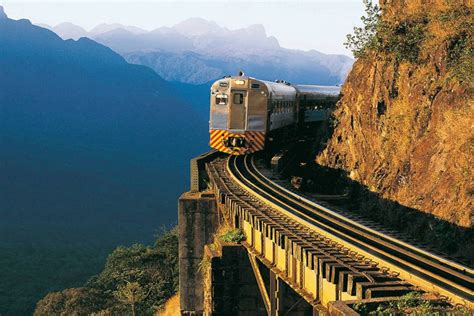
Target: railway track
x: 313, y: 225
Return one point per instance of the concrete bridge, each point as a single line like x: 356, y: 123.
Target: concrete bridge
x: 298, y: 258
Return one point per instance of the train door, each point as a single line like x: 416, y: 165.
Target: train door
x: 238, y: 112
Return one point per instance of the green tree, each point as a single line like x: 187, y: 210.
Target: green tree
x: 365, y: 38
x: 131, y: 293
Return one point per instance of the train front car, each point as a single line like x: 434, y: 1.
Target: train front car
x: 238, y: 120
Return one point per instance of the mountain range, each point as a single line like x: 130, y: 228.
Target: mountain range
x: 198, y: 51
x: 94, y: 153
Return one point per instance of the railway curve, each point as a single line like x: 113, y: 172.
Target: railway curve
x: 420, y: 267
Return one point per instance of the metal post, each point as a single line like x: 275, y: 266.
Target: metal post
x: 274, y: 294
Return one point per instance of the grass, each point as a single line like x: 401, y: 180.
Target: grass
x: 226, y: 234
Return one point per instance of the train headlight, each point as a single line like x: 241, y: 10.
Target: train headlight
x: 234, y: 142
x: 239, y: 82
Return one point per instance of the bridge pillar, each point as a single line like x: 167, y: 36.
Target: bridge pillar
x: 197, y: 222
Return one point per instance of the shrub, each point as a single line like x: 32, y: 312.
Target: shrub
x: 413, y: 303
x: 459, y: 20
x: 460, y: 55
x: 361, y: 308
x: 403, y: 39
x: 232, y: 235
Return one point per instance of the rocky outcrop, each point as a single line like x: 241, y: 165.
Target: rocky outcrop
x: 404, y: 127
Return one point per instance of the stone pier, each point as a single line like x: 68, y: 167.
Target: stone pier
x: 197, y: 220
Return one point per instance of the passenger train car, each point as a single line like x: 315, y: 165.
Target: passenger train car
x: 246, y: 112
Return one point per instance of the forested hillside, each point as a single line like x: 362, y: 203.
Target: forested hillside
x: 136, y: 280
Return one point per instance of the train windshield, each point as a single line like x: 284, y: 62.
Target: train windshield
x: 221, y: 99
x: 238, y: 98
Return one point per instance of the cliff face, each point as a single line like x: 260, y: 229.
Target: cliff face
x: 404, y: 126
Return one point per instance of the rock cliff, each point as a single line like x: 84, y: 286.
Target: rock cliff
x: 404, y: 125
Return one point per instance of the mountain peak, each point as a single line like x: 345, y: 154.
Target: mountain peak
x: 3, y: 15
x: 258, y: 29
x: 197, y: 26
x: 67, y: 30
x: 68, y: 24
x: 109, y: 27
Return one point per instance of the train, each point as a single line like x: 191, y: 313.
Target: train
x: 247, y: 113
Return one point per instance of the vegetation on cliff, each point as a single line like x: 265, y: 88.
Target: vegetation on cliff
x: 412, y: 303
x: 136, y: 280
x: 403, y: 127
x: 403, y: 38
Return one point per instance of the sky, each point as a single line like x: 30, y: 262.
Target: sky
x: 317, y: 24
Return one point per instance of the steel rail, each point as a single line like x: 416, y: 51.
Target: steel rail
x: 434, y: 274
x: 450, y: 273
x: 350, y: 266
x: 459, y: 269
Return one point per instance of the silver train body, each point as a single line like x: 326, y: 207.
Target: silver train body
x: 246, y: 111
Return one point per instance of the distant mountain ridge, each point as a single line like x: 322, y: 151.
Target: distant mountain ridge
x: 68, y: 30
x: 198, y: 51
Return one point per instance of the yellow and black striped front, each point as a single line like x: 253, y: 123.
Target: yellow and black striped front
x: 223, y: 141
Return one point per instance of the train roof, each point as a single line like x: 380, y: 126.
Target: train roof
x: 278, y: 88
x: 284, y: 88
x: 315, y: 89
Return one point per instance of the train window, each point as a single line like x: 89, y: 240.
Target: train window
x: 255, y: 86
x: 238, y: 98
x: 221, y: 99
